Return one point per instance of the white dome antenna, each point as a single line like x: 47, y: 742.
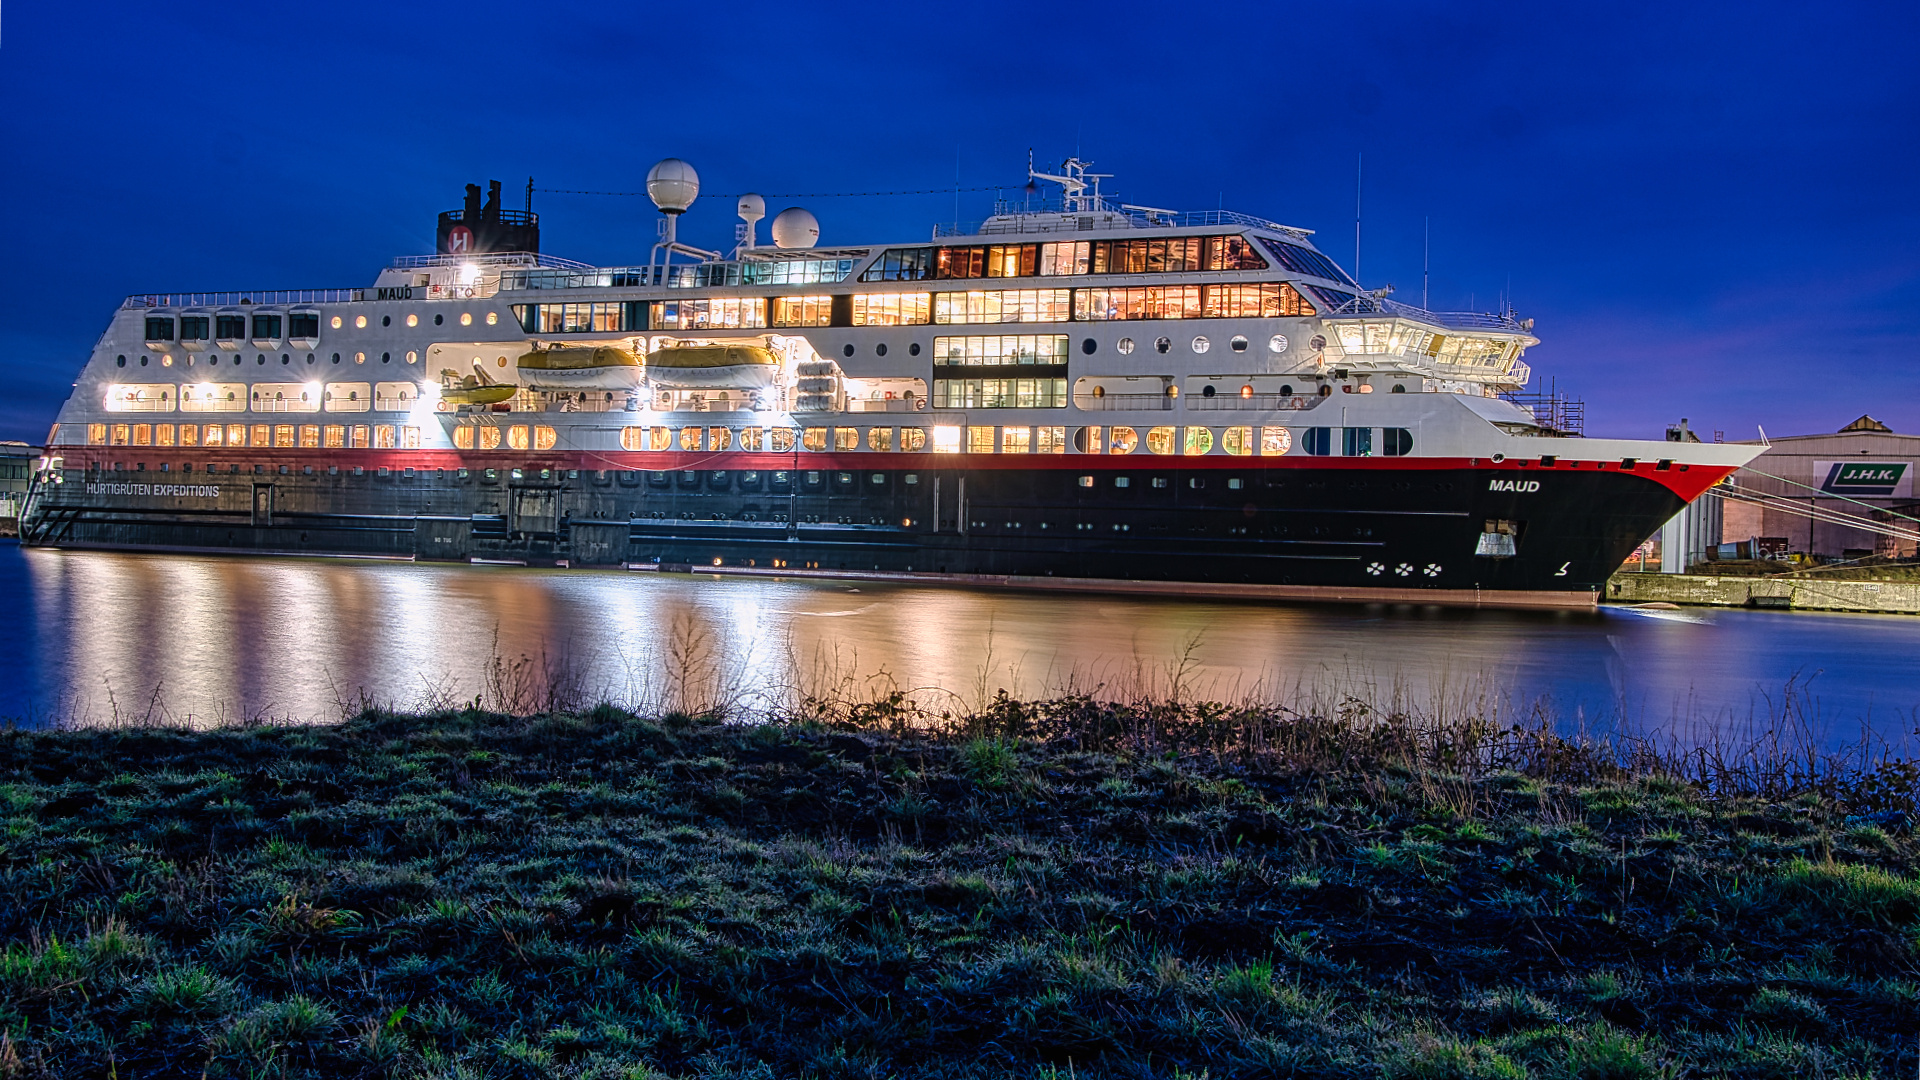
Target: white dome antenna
x: 795, y: 228
x: 673, y: 185
x: 752, y: 208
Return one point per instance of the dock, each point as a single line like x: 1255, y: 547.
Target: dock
x: 1804, y: 593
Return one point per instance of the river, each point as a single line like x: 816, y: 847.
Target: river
x: 104, y: 637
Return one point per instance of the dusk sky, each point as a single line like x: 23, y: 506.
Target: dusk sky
x: 1710, y: 211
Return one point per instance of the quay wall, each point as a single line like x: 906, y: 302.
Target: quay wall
x: 1809, y: 594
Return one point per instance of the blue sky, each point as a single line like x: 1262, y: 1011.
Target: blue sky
x: 1710, y: 210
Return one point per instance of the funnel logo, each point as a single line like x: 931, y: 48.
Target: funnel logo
x: 459, y: 240
x: 1864, y: 477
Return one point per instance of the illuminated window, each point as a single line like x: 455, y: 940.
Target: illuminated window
x: 492, y: 317
x: 544, y: 437
x: 336, y: 322
x: 965, y: 262
x: 336, y: 435
x: 802, y: 310
x: 1086, y: 440
x: 1263, y: 300
x: 409, y: 437
x: 1001, y: 393
x: 189, y: 434
x: 689, y: 438
x: 901, y: 264
x: 216, y: 435
x: 357, y: 436
x: 1122, y: 440
x: 489, y: 438
x: 310, y: 436
x: 719, y: 438
x: 1050, y: 440
x: 880, y: 438
x: 284, y: 435
x: 1237, y: 441
x: 913, y: 439
x: 96, y: 434
x: 752, y: 439
x: 1008, y: 306
x: 1145, y: 302
x: 413, y: 320
x: 946, y: 440
x: 720, y: 312
x: 814, y: 438
x: 360, y: 322
x: 1304, y: 261
x: 517, y: 437
x: 466, y: 318
x: 142, y: 435
x: 1016, y: 440
x: 383, y: 436
x: 633, y: 438
x: 780, y: 440
x: 891, y: 309
x: 347, y: 397
x: 980, y: 440
x: 1066, y: 257
x: 261, y: 434
x: 846, y: 438
x: 122, y: 434
x: 1160, y: 440
x: 660, y: 438
x: 140, y: 397
x: 1198, y: 441
x: 998, y: 350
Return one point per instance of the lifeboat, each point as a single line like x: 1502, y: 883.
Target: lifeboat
x: 698, y: 367
x: 601, y: 367
x: 472, y: 391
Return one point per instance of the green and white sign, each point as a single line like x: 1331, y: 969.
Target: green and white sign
x: 1883, y: 478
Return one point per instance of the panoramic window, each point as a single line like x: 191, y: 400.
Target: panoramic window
x: 1304, y: 261
x: 1010, y: 306
x: 1065, y: 257
x: 780, y: 440
x: 1016, y: 440
x: 980, y: 440
x: 913, y: 440
x: 1050, y: 440
x: 303, y: 324
x: 1396, y: 442
x: 901, y: 264
x: 1316, y: 442
x: 1142, y: 302
x: 463, y: 437
x: 721, y: 312
x: 752, y: 439
x: 891, y: 309
x: 159, y: 329
x: 1000, y: 393
x: 880, y: 438
x: 229, y: 327
x: 846, y: 438
x: 814, y: 439
x: 195, y: 327
x: 719, y: 438
x: 1357, y: 442
x: 689, y: 438
x: 1086, y: 440
x: 802, y: 310
x: 1000, y: 350
x: 266, y: 328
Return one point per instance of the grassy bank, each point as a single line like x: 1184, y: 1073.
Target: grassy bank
x: 1067, y: 888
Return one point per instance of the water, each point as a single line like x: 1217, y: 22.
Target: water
x: 106, y: 637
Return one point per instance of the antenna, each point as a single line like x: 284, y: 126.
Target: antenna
x: 1426, y: 257
x: 529, y: 194
x: 1359, y: 159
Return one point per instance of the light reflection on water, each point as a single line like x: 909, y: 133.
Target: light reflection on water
x: 99, y: 636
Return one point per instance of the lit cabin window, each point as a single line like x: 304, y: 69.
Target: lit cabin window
x: 1275, y: 441
x: 1086, y: 440
x: 814, y: 438
x: 631, y: 438
x: 489, y: 438
x: 1197, y: 442
x: 723, y: 312
x: 335, y: 436
x: 1237, y: 441
x: 846, y: 438
x: 752, y: 439
x: 1016, y: 440
x: 1050, y: 440
x: 659, y: 438
x: 880, y: 438
x: 360, y: 322
x: 383, y: 437
x: 690, y: 438
x: 802, y: 310
x: 466, y: 318
x: 261, y: 434
x: 1160, y: 440
x: 980, y: 440
x: 517, y: 437
x: 780, y: 441
x: 998, y: 306
x: 891, y: 309
x: 913, y: 440
x: 1122, y: 440
x: 946, y: 440
x: 335, y: 322
x: 544, y: 437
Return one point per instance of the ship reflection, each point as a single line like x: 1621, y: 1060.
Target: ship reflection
x: 104, y: 638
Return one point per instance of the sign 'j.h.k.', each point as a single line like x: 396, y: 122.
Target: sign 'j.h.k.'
x: 1864, y: 477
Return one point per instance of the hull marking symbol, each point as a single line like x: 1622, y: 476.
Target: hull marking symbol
x: 1562, y: 572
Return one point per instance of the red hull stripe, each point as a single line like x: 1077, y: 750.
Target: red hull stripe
x: 1686, y: 481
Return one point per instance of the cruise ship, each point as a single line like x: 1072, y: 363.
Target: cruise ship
x: 1073, y: 394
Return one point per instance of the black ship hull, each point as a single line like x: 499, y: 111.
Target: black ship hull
x: 1376, y: 528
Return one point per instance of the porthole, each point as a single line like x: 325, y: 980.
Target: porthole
x: 1163, y: 345
x: 386, y: 320
x: 360, y: 322
x: 1277, y: 343
x: 847, y: 350
x: 413, y: 320
x: 1399, y: 388
x: 1326, y: 391
x: 500, y: 361
x: 285, y: 359
x: 1317, y: 343
x: 336, y: 358
x: 1286, y: 390
x: 143, y: 361
x: 913, y: 349
x: 1201, y: 344
x: 1238, y: 344
x: 336, y: 322
x: 386, y: 358
x: 1207, y: 391
x: 309, y: 358
x: 492, y: 317
x: 438, y: 319
x: 121, y: 360
x: 359, y: 358
x: 880, y: 349
x: 466, y: 318
x: 1125, y: 345
x: 260, y: 359
x: 215, y: 359
x: 1099, y: 391
x: 412, y: 357
x: 1088, y: 346
x: 166, y: 361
